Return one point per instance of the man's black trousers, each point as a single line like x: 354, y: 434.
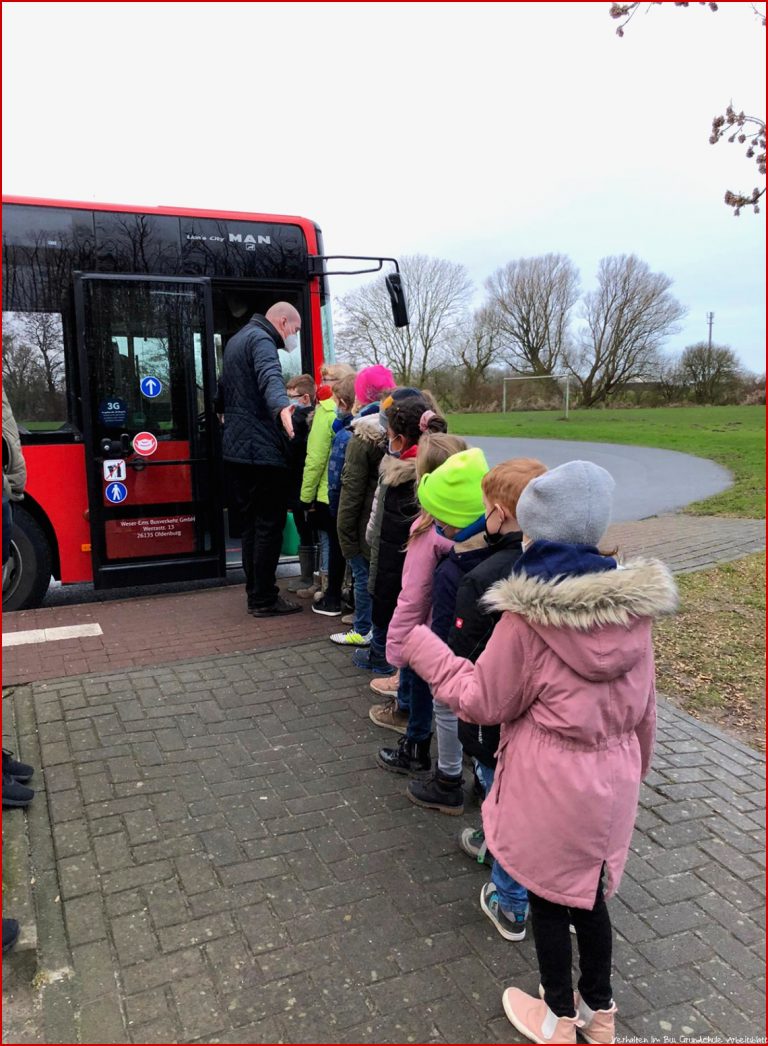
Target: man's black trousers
x: 261, y: 494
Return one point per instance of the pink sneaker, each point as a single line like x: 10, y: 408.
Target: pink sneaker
x: 599, y: 1025
x: 387, y: 686
x: 535, y: 1020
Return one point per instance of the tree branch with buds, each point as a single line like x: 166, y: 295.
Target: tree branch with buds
x: 748, y: 131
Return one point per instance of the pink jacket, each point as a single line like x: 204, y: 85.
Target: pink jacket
x: 414, y: 604
x: 569, y: 674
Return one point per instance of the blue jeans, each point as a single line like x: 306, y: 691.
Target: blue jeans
x: 323, y: 541
x: 415, y: 696
x: 378, y: 647
x: 512, y: 896
x: 359, y: 568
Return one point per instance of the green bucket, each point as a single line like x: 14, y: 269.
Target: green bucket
x: 290, y: 538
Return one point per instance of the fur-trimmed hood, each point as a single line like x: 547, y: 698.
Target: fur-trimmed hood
x: 395, y: 472
x: 640, y: 588
x: 368, y: 428
x: 596, y: 622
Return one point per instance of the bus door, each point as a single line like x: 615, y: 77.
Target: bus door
x: 152, y: 444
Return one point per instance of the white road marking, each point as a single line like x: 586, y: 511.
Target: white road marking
x: 49, y: 635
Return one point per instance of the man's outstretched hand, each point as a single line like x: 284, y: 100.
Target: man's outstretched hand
x: 287, y: 420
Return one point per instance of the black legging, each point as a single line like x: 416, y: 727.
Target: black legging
x: 304, y: 526
x: 552, y: 937
x: 322, y: 519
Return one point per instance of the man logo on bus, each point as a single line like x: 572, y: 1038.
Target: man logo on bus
x: 116, y: 493
x: 249, y: 241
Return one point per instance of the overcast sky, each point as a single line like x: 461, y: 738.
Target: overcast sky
x: 475, y: 132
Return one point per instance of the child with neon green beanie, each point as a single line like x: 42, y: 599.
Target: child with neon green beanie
x: 453, y: 496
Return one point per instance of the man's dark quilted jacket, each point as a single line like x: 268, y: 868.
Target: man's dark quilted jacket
x: 254, y: 395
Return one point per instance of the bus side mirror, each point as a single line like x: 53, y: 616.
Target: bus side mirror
x: 397, y: 297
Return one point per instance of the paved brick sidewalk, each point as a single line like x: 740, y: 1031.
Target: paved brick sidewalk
x: 232, y: 867
x: 148, y: 630
x: 689, y: 542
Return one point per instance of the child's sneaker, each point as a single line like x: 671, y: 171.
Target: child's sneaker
x: 350, y: 638
x: 387, y: 686
x: 390, y: 716
x: 599, y: 1025
x: 511, y: 929
x: 366, y: 660
x: 534, y: 1019
x: 327, y: 606
x: 472, y: 841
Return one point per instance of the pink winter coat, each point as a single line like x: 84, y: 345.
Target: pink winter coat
x: 569, y: 674
x: 414, y: 604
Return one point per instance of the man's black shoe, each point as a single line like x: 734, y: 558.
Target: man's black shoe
x: 21, y: 771
x: 10, y: 934
x: 277, y: 609
x: 15, y: 794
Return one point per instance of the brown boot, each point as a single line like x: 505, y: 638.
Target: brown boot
x: 312, y: 589
x: 389, y: 716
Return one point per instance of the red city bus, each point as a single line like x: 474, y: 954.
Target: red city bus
x: 115, y: 320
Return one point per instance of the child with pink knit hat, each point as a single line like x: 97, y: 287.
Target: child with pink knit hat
x: 371, y: 385
x: 359, y: 477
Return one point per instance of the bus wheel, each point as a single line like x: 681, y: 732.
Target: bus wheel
x: 27, y: 573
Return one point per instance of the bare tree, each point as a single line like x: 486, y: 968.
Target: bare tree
x: 711, y: 371
x: 477, y: 349
x: 534, y: 297
x: 748, y: 131
x: 670, y: 379
x: 438, y: 294
x: 43, y: 331
x: 626, y: 319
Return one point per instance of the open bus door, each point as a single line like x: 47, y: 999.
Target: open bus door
x: 147, y: 374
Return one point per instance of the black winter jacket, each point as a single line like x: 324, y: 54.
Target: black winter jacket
x: 254, y: 395
x: 400, y: 508
x: 448, y: 576
x: 472, y: 628
x: 296, y: 451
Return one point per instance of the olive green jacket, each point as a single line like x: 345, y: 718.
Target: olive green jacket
x: 358, y: 482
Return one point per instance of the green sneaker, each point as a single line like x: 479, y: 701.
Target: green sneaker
x: 351, y: 638
x: 472, y: 842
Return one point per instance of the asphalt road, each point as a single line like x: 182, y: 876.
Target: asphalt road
x: 648, y: 482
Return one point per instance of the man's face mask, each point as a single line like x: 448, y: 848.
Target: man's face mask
x: 291, y: 342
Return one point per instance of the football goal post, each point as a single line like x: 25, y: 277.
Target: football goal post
x: 564, y: 381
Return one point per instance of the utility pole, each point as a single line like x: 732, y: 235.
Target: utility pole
x: 710, y: 318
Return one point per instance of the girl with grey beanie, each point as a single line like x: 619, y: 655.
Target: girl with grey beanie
x: 569, y: 674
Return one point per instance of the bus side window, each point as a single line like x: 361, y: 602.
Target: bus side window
x: 34, y: 373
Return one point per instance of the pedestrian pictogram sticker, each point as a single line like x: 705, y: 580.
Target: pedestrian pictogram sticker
x: 116, y: 493
x: 145, y: 443
x: 151, y: 387
x: 114, y: 469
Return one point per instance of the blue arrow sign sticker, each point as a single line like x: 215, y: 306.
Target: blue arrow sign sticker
x: 151, y: 387
x: 116, y: 492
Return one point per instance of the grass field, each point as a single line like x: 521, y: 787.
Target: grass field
x: 732, y: 436
x: 709, y: 658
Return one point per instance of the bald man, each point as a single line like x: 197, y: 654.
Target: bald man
x: 257, y: 428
